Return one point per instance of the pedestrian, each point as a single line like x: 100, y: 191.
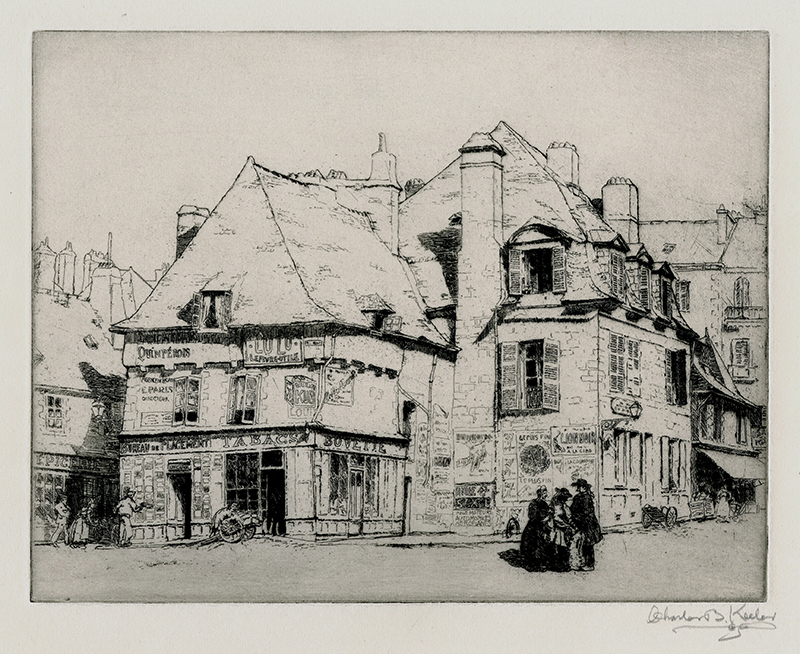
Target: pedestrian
x: 563, y: 529
x: 62, y: 516
x: 536, y: 545
x: 125, y: 509
x: 80, y: 529
x: 723, y: 510
x: 586, y: 525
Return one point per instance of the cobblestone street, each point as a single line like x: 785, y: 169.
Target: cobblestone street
x: 705, y: 561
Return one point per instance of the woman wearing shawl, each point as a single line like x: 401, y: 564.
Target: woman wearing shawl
x: 535, y: 546
x: 562, y: 530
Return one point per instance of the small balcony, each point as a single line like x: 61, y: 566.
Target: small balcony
x: 733, y: 317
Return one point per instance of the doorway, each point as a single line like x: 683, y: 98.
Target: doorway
x: 182, y: 485
x: 273, y: 481
x: 356, y: 511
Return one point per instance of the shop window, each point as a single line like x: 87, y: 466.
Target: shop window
x: 339, y: 480
x: 675, y: 376
x: 684, y: 302
x: 617, y: 274
x: 635, y: 459
x: 243, y: 400
x: 371, y: 487
x: 529, y: 375
x: 539, y: 270
x: 55, y: 412
x: 624, y: 365
x: 242, y: 483
x: 186, y: 401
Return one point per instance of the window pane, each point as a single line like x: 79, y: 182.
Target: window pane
x: 272, y: 459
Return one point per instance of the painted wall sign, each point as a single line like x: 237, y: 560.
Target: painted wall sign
x: 195, y: 442
x: 273, y: 351
x: 167, y: 355
x: 300, y: 392
x: 360, y: 445
x: 576, y: 439
x: 67, y: 462
x: 473, y: 457
x: 339, y: 386
x: 314, y: 348
x: 155, y: 419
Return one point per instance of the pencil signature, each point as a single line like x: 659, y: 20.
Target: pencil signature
x: 734, y: 619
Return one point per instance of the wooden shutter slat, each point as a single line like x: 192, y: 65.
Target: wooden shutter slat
x: 644, y: 287
x: 515, y: 262
x: 509, y: 373
x: 559, y: 255
x: 668, y: 376
x: 551, y: 380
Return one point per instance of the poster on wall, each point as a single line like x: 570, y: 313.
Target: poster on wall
x: 300, y: 393
x: 575, y: 439
x: 525, y: 464
x: 339, y: 386
x: 567, y: 469
x: 473, y: 457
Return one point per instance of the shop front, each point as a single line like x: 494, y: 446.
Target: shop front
x: 296, y: 482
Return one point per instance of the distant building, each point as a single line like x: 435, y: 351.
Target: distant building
x: 723, y: 285
x: 78, y: 383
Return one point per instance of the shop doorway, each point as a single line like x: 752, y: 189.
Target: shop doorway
x: 274, y: 497
x: 356, y: 512
x: 182, y: 485
x: 256, y: 481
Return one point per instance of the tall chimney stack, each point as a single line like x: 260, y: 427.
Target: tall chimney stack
x: 723, y: 222
x: 621, y: 207
x: 562, y: 159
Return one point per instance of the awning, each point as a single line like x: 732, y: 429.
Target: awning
x: 738, y: 466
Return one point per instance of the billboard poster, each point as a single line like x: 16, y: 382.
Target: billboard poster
x: 473, y: 457
x: 534, y: 463
x: 569, y: 468
x: 339, y: 386
x: 574, y: 440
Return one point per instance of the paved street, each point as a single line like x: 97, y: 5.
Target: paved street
x: 695, y: 561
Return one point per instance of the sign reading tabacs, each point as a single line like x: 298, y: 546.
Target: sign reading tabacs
x: 273, y: 351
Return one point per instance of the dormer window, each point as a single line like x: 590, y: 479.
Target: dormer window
x: 617, y: 274
x: 541, y: 269
x: 644, y: 286
x: 212, y: 310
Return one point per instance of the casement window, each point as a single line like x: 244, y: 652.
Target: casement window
x: 338, y: 485
x: 675, y: 376
x: 539, y: 270
x: 55, y: 412
x: 243, y: 400
x: 371, y: 481
x: 617, y: 274
x: 186, y: 401
x: 710, y: 422
x: 624, y: 365
x: 741, y: 292
x: 211, y: 310
x: 683, y: 295
x: 662, y: 290
x: 529, y: 375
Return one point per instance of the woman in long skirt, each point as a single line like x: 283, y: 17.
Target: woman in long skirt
x: 535, y: 546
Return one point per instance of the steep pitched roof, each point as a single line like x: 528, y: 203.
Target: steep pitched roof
x: 65, y: 338
x: 289, y: 253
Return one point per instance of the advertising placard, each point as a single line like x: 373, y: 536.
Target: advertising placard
x: 273, y: 351
x: 575, y: 439
x: 473, y: 457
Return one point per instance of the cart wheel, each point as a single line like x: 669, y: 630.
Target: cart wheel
x: 647, y: 519
x: 230, y: 530
x: 249, y: 531
x: 671, y: 517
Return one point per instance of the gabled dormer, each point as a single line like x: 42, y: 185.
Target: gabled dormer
x: 536, y: 262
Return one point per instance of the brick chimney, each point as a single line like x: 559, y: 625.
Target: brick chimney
x: 190, y: 219
x: 621, y: 207
x: 562, y: 159
x: 381, y: 195
x: 723, y: 224
x: 480, y: 280
x: 65, y: 270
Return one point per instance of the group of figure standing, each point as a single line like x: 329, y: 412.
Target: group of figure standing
x: 561, y: 534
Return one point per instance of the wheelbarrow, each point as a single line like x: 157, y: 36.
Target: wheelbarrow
x: 666, y: 515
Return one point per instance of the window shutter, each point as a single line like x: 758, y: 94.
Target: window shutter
x: 509, y: 371
x: 225, y: 317
x: 668, y: 377
x: 658, y: 300
x: 741, y: 292
x: 197, y: 309
x: 666, y: 298
x: 741, y: 353
x: 515, y: 263
x: 616, y: 364
x: 679, y: 376
x: 550, y: 376
x: 644, y: 287
x: 683, y: 295
x: 559, y: 269
x: 231, y: 400
x: 634, y: 368
x: 250, y: 399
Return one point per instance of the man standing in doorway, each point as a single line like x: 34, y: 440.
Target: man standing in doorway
x: 125, y: 509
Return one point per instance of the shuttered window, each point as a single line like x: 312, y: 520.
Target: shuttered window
x: 644, y: 286
x: 186, y: 401
x: 634, y: 368
x: 740, y: 353
x: 616, y: 363
x: 741, y: 292
x: 683, y: 295
x: 675, y: 376
x: 529, y: 375
x: 657, y: 288
x: 617, y: 274
x: 538, y: 270
x: 243, y: 400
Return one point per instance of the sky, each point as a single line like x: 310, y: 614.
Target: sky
x: 130, y: 126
